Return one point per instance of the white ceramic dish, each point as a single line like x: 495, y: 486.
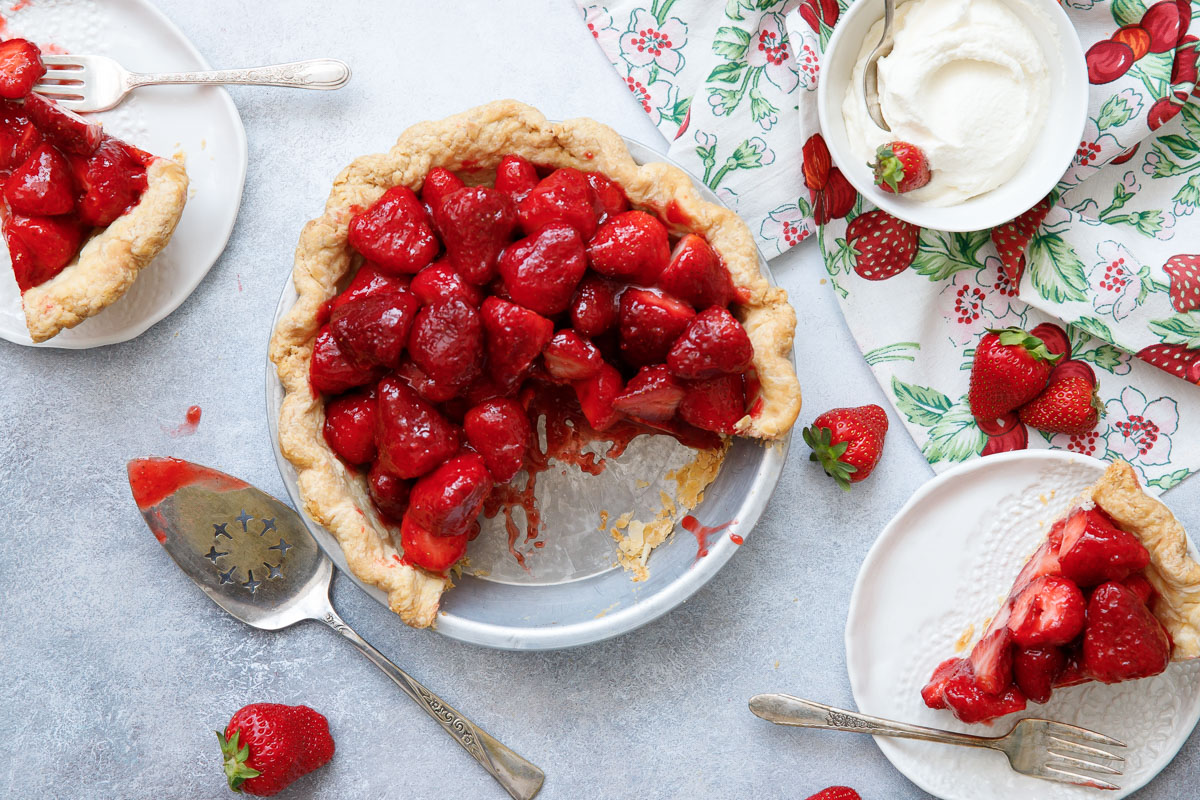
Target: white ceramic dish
x: 944, y: 563
x: 200, y: 122
x: 1065, y: 119
x: 573, y: 594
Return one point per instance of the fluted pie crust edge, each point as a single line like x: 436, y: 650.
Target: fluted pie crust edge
x: 473, y: 143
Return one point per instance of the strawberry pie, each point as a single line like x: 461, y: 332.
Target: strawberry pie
x: 493, y: 280
x: 83, y: 212
x: 1111, y: 595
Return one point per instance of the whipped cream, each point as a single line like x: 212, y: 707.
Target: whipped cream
x: 967, y: 82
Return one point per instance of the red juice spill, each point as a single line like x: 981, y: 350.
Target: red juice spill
x: 701, y: 532
x: 733, y: 537
x: 155, y: 479
x: 189, y: 426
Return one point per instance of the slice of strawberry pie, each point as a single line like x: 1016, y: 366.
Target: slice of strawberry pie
x: 540, y: 276
x: 1111, y: 595
x: 83, y: 212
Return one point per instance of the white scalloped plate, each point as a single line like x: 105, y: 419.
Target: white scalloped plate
x: 201, y: 122
x: 943, y: 563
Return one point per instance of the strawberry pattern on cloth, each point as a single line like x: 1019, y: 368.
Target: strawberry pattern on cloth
x: 1108, y: 265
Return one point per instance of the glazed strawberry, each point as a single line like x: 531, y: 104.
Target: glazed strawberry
x: 611, y: 197
x: 374, y: 330
x: 570, y: 357
x: 652, y: 395
x: 427, y: 388
x: 597, y: 395
x: 20, y: 68
x: 413, y: 437
x: 970, y: 703
x: 350, y: 426
x: 1184, y: 271
x: 1035, y: 670
x: 1176, y: 359
x: 541, y: 271
x: 388, y: 492
x: 1049, y: 611
x: 1012, y: 238
x: 65, y: 129
x: 52, y: 242
x: 562, y: 196
x: 1123, y: 640
x: 991, y: 661
x: 42, y: 186
x: 933, y: 694
x: 112, y: 180
x: 439, y: 184
x: 886, y: 246
x: 516, y: 176
x: 475, y: 225
x: 696, y: 275
x: 900, y: 167
x: 686, y: 434
x: 714, y: 404
x: 713, y: 343
x: 439, y: 282
x: 836, y: 792
x: 632, y: 246
x: 515, y: 337
x: 434, y: 553
x: 367, y: 282
x: 1069, y: 405
x: 395, y: 233
x: 1011, y: 368
x: 1141, y: 586
x: 847, y: 442
x: 446, y: 501
x: 27, y: 139
x: 649, y: 323
x: 332, y: 371
x: 1094, y: 551
x: 446, y: 342
x: 499, y: 430
x: 267, y: 746
x: 594, y: 307
x: 27, y: 273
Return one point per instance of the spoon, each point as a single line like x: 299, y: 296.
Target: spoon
x: 871, y: 70
x: 255, y: 558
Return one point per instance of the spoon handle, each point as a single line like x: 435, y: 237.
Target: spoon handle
x: 521, y: 779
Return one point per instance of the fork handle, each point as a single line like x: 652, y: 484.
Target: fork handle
x: 784, y: 709
x: 521, y: 779
x: 320, y: 73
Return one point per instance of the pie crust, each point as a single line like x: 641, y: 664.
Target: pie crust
x: 1172, y: 571
x: 110, y: 261
x: 472, y: 143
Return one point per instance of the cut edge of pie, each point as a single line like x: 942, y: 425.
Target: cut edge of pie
x: 109, y: 262
x: 477, y: 139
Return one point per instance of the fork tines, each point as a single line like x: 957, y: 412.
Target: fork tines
x: 1067, y: 754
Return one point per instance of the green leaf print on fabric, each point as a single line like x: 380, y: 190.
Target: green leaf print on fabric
x: 1092, y: 327
x: 923, y: 406
x: 1165, y: 482
x: 734, y: 8
x: 1128, y: 12
x: 1181, y: 329
x: 1056, y: 271
x: 731, y: 43
x: 1106, y: 357
x: 940, y: 255
x: 1180, y: 147
x: 955, y: 437
x: 729, y: 72
x: 1115, y: 112
x: 891, y: 352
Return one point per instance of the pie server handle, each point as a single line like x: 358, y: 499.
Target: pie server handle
x: 521, y: 779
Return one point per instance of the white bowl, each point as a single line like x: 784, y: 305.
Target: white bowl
x: 1066, y: 116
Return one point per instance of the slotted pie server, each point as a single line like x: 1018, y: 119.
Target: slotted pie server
x: 256, y: 559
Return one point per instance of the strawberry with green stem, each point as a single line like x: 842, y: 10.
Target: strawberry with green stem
x: 900, y: 167
x: 1069, y: 405
x: 847, y: 442
x: 267, y: 746
x: 1011, y: 367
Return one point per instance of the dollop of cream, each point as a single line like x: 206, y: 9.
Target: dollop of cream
x: 967, y: 82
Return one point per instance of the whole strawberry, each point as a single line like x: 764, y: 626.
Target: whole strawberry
x: 900, y: 167
x: 267, y: 746
x: 847, y: 442
x: 836, y: 793
x: 1011, y: 368
x: 1068, y: 405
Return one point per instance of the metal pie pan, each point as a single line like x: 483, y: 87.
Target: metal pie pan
x: 547, y: 616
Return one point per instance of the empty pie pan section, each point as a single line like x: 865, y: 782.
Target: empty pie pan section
x: 573, y: 591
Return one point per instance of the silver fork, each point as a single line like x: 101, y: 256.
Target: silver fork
x: 98, y: 83
x: 1041, y: 748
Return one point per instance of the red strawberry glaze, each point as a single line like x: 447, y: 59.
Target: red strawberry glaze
x: 702, y: 533
x: 155, y: 479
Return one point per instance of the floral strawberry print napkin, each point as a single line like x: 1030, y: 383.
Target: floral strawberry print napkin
x: 1111, y: 260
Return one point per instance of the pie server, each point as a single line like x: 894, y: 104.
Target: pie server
x: 256, y: 559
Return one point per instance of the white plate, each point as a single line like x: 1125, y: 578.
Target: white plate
x: 943, y: 563
x: 200, y: 122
